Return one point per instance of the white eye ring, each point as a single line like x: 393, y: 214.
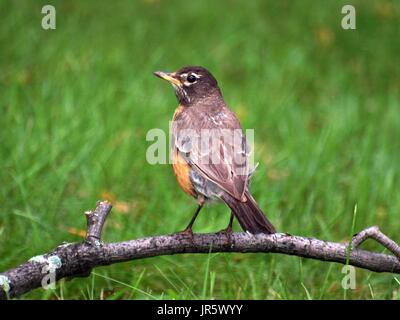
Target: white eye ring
x: 190, y: 78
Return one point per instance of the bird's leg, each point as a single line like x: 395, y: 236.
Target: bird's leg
x: 188, y: 230
x: 228, y: 230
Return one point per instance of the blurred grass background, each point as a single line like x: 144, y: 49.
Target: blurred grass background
x: 76, y: 104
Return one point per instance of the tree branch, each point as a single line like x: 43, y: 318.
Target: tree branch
x: 95, y: 222
x: 78, y: 259
x: 378, y: 236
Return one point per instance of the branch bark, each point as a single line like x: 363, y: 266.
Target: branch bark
x: 78, y: 259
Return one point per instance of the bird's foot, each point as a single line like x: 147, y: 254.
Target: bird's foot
x: 228, y: 233
x: 185, y: 234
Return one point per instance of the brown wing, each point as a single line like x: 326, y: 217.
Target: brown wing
x: 214, y: 144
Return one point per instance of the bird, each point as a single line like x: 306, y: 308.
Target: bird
x: 208, y: 163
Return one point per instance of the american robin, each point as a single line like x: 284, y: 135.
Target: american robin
x: 209, y: 150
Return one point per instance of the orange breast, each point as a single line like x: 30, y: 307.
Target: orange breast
x: 182, y: 172
x: 180, y: 166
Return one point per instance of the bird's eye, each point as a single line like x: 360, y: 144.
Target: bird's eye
x: 191, y: 78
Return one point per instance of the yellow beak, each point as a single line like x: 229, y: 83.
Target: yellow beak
x: 170, y: 77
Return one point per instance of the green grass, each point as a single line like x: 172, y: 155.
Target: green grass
x: 76, y: 104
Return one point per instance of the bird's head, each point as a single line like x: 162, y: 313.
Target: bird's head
x: 191, y: 83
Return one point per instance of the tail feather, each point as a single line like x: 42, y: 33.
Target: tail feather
x: 250, y: 216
